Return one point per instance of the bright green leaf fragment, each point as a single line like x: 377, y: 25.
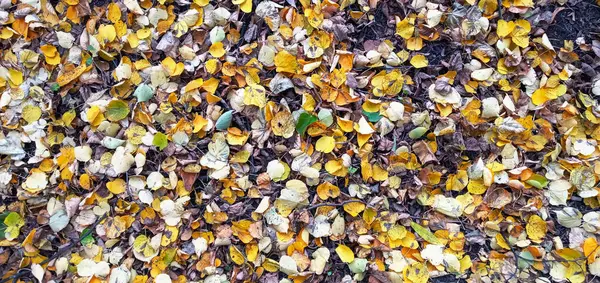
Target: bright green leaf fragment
x: 425, y: 233
x: 11, y: 225
x: 117, y: 110
x: 304, y: 121
x: 537, y: 181
x: 55, y: 87
x: 160, y: 140
x: 14, y: 219
x: 373, y: 117
x: 87, y: 240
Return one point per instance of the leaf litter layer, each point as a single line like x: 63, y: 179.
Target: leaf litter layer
x: 291, y: 141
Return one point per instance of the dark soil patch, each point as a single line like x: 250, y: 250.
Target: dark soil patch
x: 447, y: 279
x: 436, y: 51
x: 577, y: 19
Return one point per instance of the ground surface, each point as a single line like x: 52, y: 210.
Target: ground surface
x: 299, y: 141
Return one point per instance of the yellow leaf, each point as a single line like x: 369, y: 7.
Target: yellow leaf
x: 106, y: 33
x: 235, y: 136
x: 172, y: 67
x: 325, y: 144
x: 246, y: 6
x: 116, y: 186
x: 15, y: 77
x: 336, y: 167
x: 31, y: 113
x: 345, y: 253
x: 590, y: 249
x: 327, y: 190
x: 458, y: 181
x: 114, y: 12
x: 255, y: 94
x: 217, y: 50
x: 505, y: 28
x: 85, y: 182
x: 252, y: 251
x: 476, y: 187
x: 286, y: 62
x: 417, y: 273
x: 536, y: 228
x: 379, y: 174
x: 70, y: 75
x: 397, y: 232
x: 270, y: 265
x: 282, y: 124
x: 51, y: 54
x: 354, y: 208
x: 502, y: 242
x: 315, y: 18
x: 414, y: 43
x: 419, y: 61
x: 405, y: 28
x: 236, y: 255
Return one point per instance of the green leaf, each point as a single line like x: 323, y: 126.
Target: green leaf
x: 143, y: 92
x: 417, y: 132
x: 224, y: 121
x: 160, y: 140
x: 304, y: 121
x: 352, y: 170
x: 425, y: 233
x: 14, y: 219
x: 117, y: 110
x: 13, y: 222
x: 373, y: 117
x: 525, y: 260
x: 87, y: 240
x: 537, y: 181
x: 55, y: 87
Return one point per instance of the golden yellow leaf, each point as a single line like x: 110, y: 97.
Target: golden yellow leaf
x: 286, y: 62
x: 505, y: 28
x: 116, y: 186
x: 345, y: 253
x: 405, y: 28
x: 15, y: 77
x: 536, y: 228
x: 327, y: 190
x: 476, y: 187
x: 591, y: 249
x: 255, y: 94
x: 236, y: 255
x: 419, y: 61
x: 70, y: 75
x: 106, y: 33
x: 217, y: 50
x: 172, y: 67
x: 114, y: 12
x: 51, y: 54
x: 282, y: 124
x: 354, y: 208
x: 325, y: 144
x: 31, y: 113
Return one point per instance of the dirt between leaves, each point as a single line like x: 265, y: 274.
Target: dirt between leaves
x: 576, y: 19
